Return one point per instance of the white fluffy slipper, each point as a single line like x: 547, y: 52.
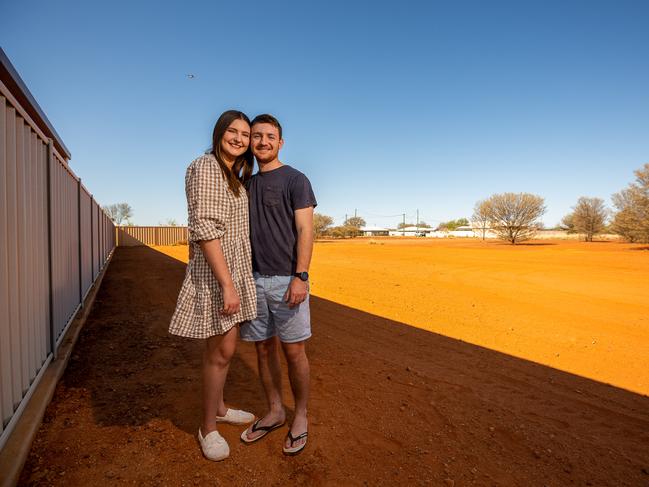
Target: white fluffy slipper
x: 236, y: 416
x: 214, y: 446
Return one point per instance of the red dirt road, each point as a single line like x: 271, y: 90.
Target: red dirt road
x: 391, y: 405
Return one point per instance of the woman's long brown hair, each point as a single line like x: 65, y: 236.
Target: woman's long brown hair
x: 243, y: 165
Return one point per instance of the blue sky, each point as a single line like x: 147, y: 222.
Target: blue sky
x: 387, y: 107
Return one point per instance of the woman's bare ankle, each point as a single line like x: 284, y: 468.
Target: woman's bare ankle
x: 206, y: 429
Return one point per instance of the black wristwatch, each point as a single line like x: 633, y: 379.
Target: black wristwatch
x: 304, y: 276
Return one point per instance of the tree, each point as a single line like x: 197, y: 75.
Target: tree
x: 514, y: 216
x: 119, y: 213
x: 453, y: 224
x: 355, y: 221
x: 169, y: 222
x: 480, y: 217
x: 568, y: 223
x: 421, y: 224
x: 344, y: 231
x: 588, y: 217
x: 321, y: 223
x: 632, y: 218
x: 111, y: 211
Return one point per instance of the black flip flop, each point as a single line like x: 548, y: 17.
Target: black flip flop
x: 294, y: 451
x: 256, y: 427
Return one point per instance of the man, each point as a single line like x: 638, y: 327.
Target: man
x: 281, y: 232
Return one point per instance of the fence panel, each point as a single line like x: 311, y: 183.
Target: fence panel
x: 13, y: 388
x: 65, y: 245
x: 6, y: 393
x: 134, y: 236
x: 86, y: 242
x: 54, y: 240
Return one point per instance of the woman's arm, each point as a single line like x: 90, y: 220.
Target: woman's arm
x: 214, y: 256
x: 208, y: 207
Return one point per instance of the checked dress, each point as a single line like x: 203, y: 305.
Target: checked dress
x: 214, y: 213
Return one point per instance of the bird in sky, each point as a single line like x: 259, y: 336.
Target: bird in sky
x: 191, y: 76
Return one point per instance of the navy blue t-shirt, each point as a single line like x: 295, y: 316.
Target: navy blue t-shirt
x: 274, y: 196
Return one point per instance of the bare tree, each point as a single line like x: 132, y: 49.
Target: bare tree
x: 514, y: 216
x: 321, y: 223
x: 632, y: 218
x: 480, y: 217
x: 169, y: 222
x: 588, y: 217
x: 344, y: 231
x: 120, y: 213
x: 422, y: 224
x: 125, y: 212
x: 568, y: 223
x: 111, y: 211
x: 625, y: 221
x: 453, y: 224
x: 355, y: 221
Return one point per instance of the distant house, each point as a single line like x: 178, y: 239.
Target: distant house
x: 412, y: 231
x: 374, y: 232
x: 462, y: 231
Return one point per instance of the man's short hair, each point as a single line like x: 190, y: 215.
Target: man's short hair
x: 266, y: 118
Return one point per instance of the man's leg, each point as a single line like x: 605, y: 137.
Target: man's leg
x: 261, y: 331
x: 298, y: 374
x: 270, y: 374
x: 219, y: 350
x: 294, y: 329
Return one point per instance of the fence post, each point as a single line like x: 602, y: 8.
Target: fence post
x: 92, y: 240
x: 50, y: 157
x: 102, y: 225
x: 100, y: 240
x: 79, y: 227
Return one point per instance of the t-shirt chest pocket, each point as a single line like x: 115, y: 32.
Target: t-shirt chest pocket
x: 272, y: 195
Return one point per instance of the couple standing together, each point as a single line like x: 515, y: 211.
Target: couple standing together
x: 251, y: 239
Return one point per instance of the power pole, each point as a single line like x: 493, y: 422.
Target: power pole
x: 403, y: 228
x: 345, y: 219
x: 355, y: 213
x: 417, y: 221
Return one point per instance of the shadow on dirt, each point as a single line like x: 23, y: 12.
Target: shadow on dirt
x: 534, y: 244
x: 135, y: 370
x: 390, y: 404
x: 640, y: 248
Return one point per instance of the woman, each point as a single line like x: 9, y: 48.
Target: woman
x: 218, y: 292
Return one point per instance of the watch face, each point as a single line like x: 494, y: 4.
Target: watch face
x: 303, y: 275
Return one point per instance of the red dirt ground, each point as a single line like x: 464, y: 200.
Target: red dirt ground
x: 391, y: 405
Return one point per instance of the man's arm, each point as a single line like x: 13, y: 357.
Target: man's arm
x: 298, y: 289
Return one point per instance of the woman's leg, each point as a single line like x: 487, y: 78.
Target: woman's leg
x: 216, y: 362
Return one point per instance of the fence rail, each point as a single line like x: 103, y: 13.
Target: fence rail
x: 54, y: 241
x: 134, y: 236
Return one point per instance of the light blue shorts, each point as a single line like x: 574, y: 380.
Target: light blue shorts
x: 274, y: 317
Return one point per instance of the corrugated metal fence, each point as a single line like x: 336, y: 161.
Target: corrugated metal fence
x: 54, y: 241
x: 134, y: 236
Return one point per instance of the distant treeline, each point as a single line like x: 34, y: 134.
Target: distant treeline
x: 515, y: 217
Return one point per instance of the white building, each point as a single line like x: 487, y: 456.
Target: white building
x: 465, y: 231
x: 412, y: 231
x: 374, y: 232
